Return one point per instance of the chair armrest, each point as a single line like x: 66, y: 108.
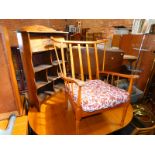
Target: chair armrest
x: 120, y: 75
x: 79, y: 83
x: 73, y: 80
x: 130, y: 77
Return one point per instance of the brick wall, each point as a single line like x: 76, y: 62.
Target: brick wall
x: 14, y: 24
x: 102, y: 25
x: 95, y: 25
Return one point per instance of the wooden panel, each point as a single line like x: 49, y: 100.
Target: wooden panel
x: 125, y: 43
x: 9, y: 94
x: 136, y: 41
x: 40, y: 44
x: 149, y: 42
x: 146, y: 67
x: 116, y: 40
x: 114, y: 60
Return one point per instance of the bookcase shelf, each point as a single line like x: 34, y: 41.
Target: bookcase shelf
x: 53, y: 78
x: 40, y: 84
x: 39, y: 62
x: 41, y: 67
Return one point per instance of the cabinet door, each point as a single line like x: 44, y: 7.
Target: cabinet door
x: 149, y: 42
x: 125, y: 43
x: 9, y: 95
x: 146, y: 65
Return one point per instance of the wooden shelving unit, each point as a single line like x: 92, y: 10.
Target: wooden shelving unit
x: 39, y: 62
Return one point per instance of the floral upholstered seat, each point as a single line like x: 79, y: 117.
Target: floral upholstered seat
x: 97, y: 94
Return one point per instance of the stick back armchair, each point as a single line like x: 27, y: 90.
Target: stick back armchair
x: 87, y: 84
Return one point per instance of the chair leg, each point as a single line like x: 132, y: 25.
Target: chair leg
x: 77, y: 127
x: 124, y: 114
x: 78, y: 118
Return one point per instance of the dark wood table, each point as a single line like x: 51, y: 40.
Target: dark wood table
x: 113, y: 61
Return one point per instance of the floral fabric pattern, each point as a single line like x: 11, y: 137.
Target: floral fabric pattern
x: 97, y: 94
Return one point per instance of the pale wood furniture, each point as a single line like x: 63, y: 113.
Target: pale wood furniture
x: 39, y: 62
x: 73, y: 79
x: 9, y: 94
x: 53, y: 119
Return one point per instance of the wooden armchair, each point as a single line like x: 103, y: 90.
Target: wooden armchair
x: 87, y: 86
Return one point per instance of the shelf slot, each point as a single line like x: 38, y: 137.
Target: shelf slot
x: 41, y: 67
x: 40, y: 84
x: 53, y: 78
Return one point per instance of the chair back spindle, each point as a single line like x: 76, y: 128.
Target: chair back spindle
x: 80, y: 61
x: 104, y: 56
x: 96, y: 60
x: 72, y: 60
x: 63, y: 59
x: 83, y: 57
x: 89, y: 63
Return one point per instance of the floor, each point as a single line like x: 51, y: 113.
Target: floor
x: 53, y: 119
x: 20, y: 126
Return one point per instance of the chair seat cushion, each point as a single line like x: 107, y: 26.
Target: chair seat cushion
x: 97, y: 94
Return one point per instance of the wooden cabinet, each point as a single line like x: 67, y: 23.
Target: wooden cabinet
x: 116, y: 40
x: 149, y: 42
x: 130, y: 44
x: 16, y: 57
x: 146, y: 64
x: 39, y: 62
x: 130, y: 41
x: 9, y: 95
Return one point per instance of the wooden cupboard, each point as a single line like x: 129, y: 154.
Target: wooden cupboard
x: 130, y: 44
x: 39, y: 62
x: 18, y: 69
x: 9, y: 95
